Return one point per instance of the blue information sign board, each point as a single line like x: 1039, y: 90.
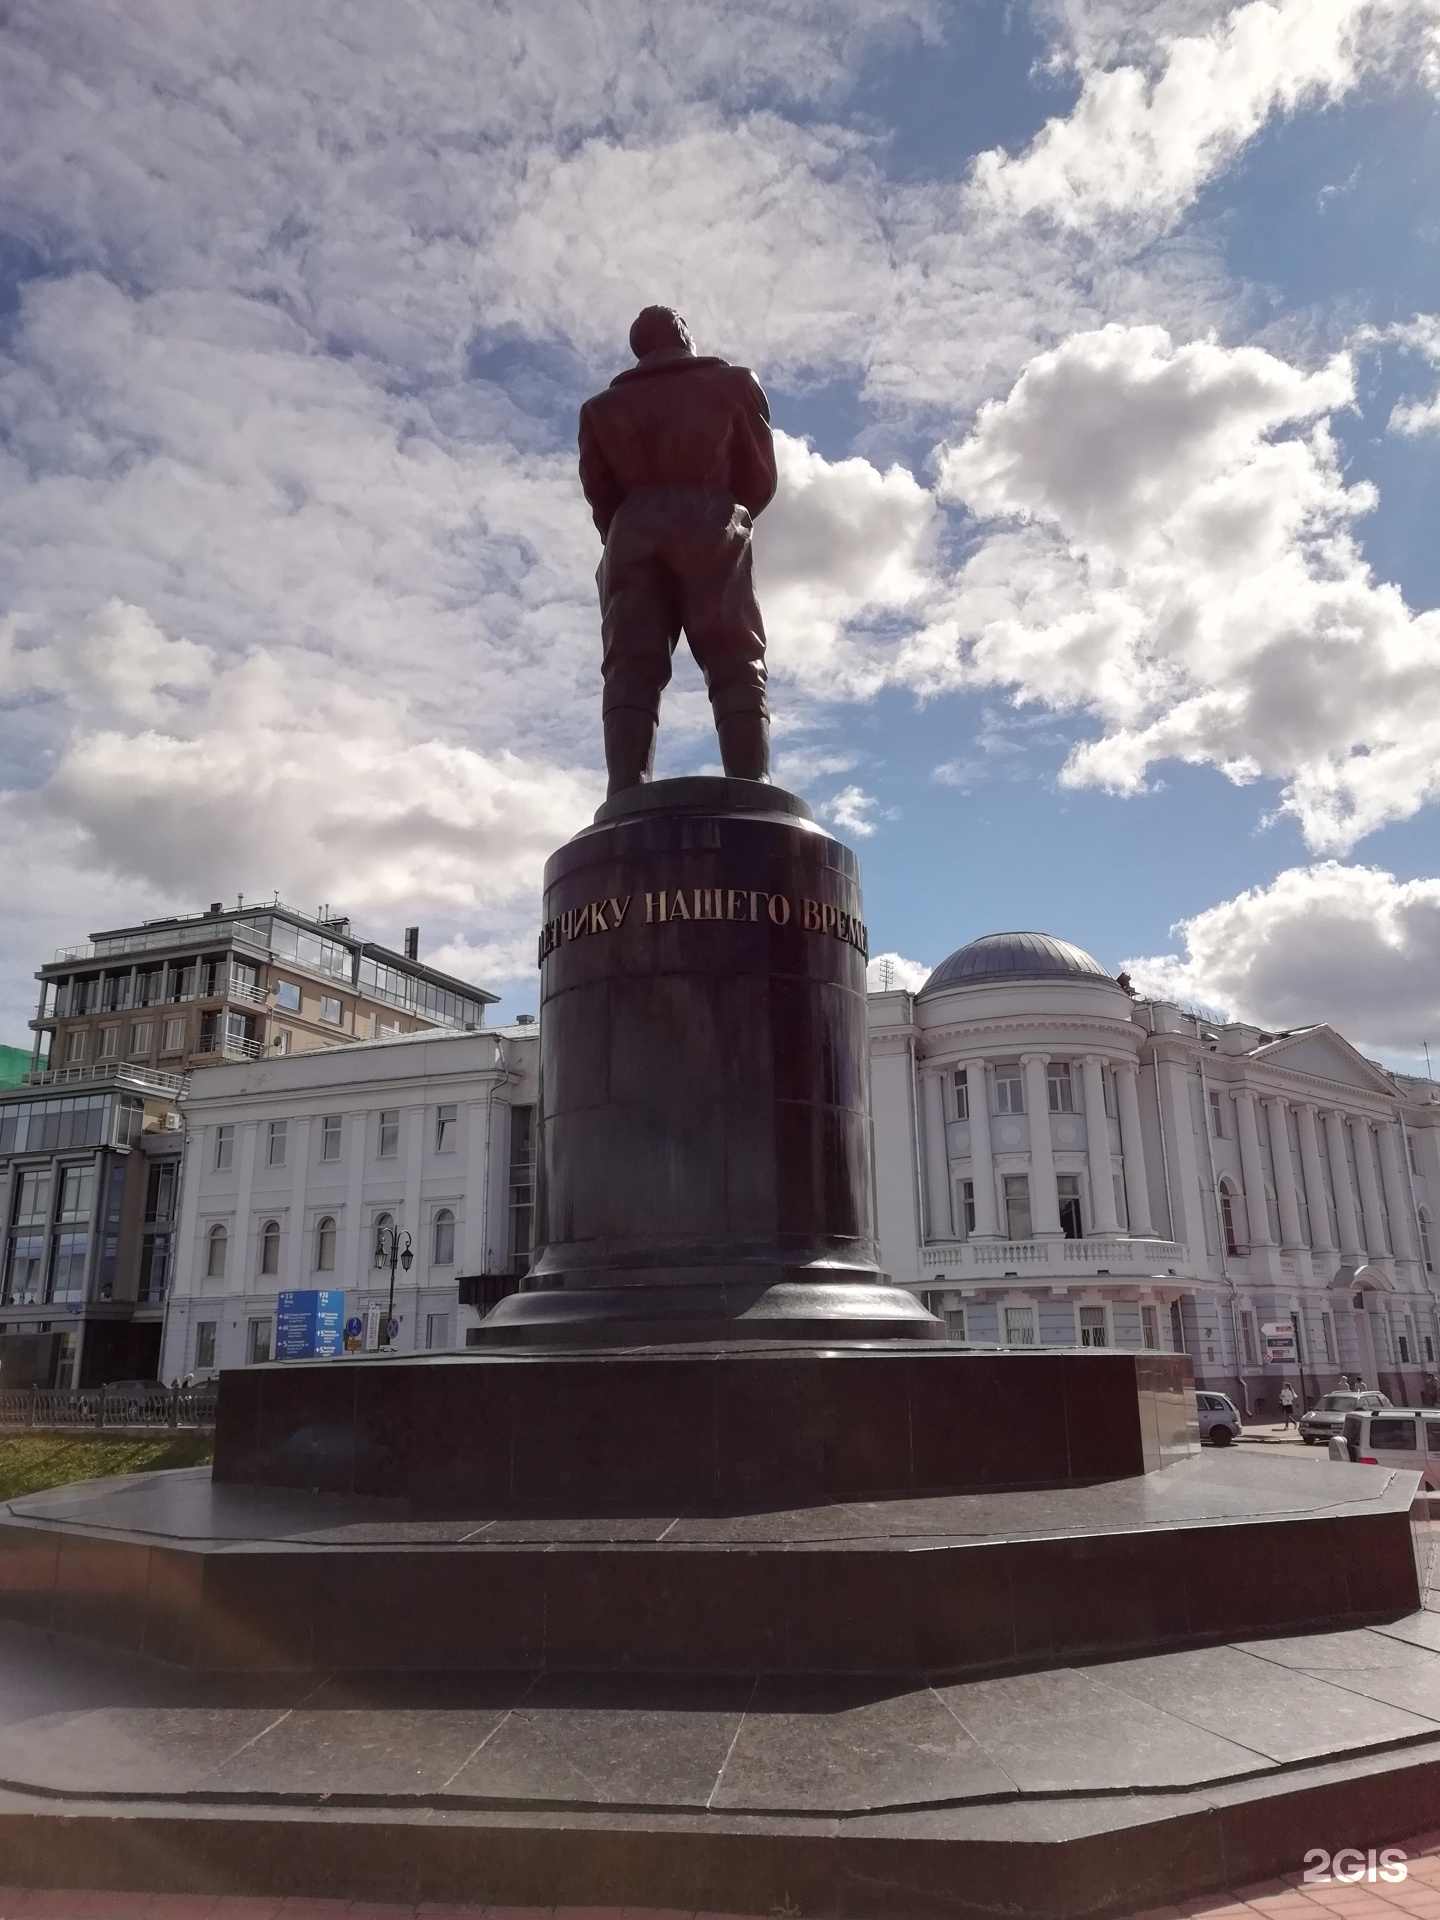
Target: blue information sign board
x: 308, y: 1324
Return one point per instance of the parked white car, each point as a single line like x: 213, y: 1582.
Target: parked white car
x: 1218, y: 1417
x: 1396, y: 1437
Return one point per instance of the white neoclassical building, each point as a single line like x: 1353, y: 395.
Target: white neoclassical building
x: 293, y: 1167
x: 1059, y: 1162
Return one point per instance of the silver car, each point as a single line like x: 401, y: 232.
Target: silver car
x: 1219, y: 1419
x: 1327, y: 1417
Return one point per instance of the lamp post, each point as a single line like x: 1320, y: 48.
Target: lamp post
x: 392, y: 1249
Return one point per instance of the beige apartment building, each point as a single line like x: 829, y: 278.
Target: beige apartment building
x: 249, y: 983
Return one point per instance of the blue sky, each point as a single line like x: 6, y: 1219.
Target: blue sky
x: 1103, y: 347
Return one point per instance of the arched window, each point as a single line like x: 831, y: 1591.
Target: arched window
x: 270, y: 1247
x: 1426, y: 1247
x: 384, y: 1222
x: 215, y: 1242
x: 325, y: 1244
x: 444, y: 1238
x: 1227, y: 1217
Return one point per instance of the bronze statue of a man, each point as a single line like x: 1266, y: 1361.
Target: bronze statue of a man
x: 676, y: 459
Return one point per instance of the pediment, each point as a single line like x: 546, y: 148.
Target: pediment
x: 1325, y: 1055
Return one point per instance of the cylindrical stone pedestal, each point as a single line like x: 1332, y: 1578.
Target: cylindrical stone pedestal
x: 704, y: 1130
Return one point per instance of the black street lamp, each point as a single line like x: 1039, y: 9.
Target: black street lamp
x: 392, y: 1248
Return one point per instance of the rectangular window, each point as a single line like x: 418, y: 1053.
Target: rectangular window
x: 275, y: 1143
x: 77, y: 1194
x: 1019, y: 1326
x: 1247, y: 1336
x: 1217, y: 1115
x: 224, y: 1149
x: 140, y: 1037
x: 109, y: 1043
x: 955, y: 1324
x: 1327, y: 1329
x: 437, y: 1331
x: 330, y: 1009
x: 204, y: 1345
x: 32, y: 1201
x: 1060, y: 1087
x: 281, y: 1042
x: 1410, y: 1150
x: 1092, y: 1327
x: 966, y: 1209
x: 1067, y: 1186
x: 447, y: 1128
x: 522, y: 1186
x: 1429, y: 1349
x: 287, y: 996
x: 1017, y: 1206
x: 75, y: 1046
x: 173, y: 1038
x: 1150, y: 1328
x: 1177, y: 1327
x: 389, y: 1133
x: 1107, y: 1085
x: 330, y: 1132
x: 1009, y: 1090
x: 259, y: 1342
x: 962, y: 1095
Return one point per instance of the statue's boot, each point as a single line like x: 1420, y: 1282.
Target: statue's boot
x: 745, y: 745
x: 629, y: 747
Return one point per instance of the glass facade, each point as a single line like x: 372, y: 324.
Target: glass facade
x: 424, y: 997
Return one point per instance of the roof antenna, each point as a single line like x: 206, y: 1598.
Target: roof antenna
x: 1428, y: 1074
x: 887, y: 975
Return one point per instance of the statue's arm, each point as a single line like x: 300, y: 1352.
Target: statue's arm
x: 753, y: 482
x: 602, y: 489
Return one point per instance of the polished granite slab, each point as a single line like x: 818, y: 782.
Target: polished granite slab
x: 1083, y: 1790
x: 233, y: 1578
x: 732, y: 1424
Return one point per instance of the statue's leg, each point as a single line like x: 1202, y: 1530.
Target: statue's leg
x: 727, y: 637
x: 639, y: 626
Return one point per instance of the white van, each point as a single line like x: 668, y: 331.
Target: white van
x: 1395, y: 1437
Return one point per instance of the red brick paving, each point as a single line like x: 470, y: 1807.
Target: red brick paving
x: 1288, y: 1898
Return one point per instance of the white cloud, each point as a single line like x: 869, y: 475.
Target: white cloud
x: 851, y: 810
x: 844, y: 546
x: 1422, y: 336
x: 1143, y: 139
x: 893, y: 970
x: 1352, y: 946
x: 1174, y: 555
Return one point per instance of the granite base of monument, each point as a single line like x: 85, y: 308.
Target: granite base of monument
x: 704, y: 1127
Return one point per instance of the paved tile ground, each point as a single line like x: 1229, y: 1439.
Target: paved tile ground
x: 1290, y: 1898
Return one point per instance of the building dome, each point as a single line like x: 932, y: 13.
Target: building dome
x: 999, y: 957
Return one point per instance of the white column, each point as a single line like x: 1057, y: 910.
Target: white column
x: 1316, y: 1203
x: 1257, y: 1214
x: 1285, y: 1196
x: 1097, y: 1146
x: 240, y: 1264
x: 1340, y: 1178
x: 1397, y: 1192
x: 1044, y: 1198
x: 1373, y: 1210
x: 297, y: 1254
x: 1132, y: 1146
x: 937, y: 1158
x: 476, y: 1256
x: 982, y: 1159
x: 356, y: 1260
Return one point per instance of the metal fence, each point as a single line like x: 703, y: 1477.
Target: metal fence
x: 120, y: 1409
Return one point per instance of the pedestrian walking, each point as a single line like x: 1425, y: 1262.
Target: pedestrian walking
x: 1287, y: 1403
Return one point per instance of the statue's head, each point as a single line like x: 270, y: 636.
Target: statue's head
x: 659, y: 327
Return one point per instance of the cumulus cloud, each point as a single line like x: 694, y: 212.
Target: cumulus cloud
x: 1422, y: 336
x: 843, y: 551
x: 1173, y: 551
x: 1143, y: 139
x: 1351, y: 946
x: 852, y: 810
x: 893, y: 970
